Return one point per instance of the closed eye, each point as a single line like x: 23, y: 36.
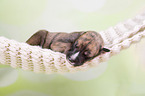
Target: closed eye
x: 75, y: 45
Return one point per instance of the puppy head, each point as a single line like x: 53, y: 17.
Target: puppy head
x: 86, y: 47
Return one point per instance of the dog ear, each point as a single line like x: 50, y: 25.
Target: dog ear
x: 105, y: 50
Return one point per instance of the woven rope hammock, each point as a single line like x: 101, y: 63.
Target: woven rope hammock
x: 36, y: 59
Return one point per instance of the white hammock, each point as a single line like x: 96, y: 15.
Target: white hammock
x: 34, y: 58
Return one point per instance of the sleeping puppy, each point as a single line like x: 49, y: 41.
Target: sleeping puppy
x: 79, y: 47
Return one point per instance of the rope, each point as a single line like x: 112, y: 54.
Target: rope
x: 34, y: 58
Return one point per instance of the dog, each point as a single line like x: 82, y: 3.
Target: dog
x: 79, y: 47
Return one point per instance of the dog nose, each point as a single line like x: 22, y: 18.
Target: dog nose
x: 74, y: 59
x: 71, y: 59
x: 74, y: 62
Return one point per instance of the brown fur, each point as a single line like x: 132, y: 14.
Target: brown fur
x: 89, y: 44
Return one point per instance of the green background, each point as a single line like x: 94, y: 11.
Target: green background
x: 122, y: 75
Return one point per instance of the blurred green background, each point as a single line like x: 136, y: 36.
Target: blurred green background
x: 122, y: 75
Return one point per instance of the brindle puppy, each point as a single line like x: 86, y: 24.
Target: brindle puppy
x: 79, y: 47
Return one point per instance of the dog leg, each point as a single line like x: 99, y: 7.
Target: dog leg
x: 38, y: 38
